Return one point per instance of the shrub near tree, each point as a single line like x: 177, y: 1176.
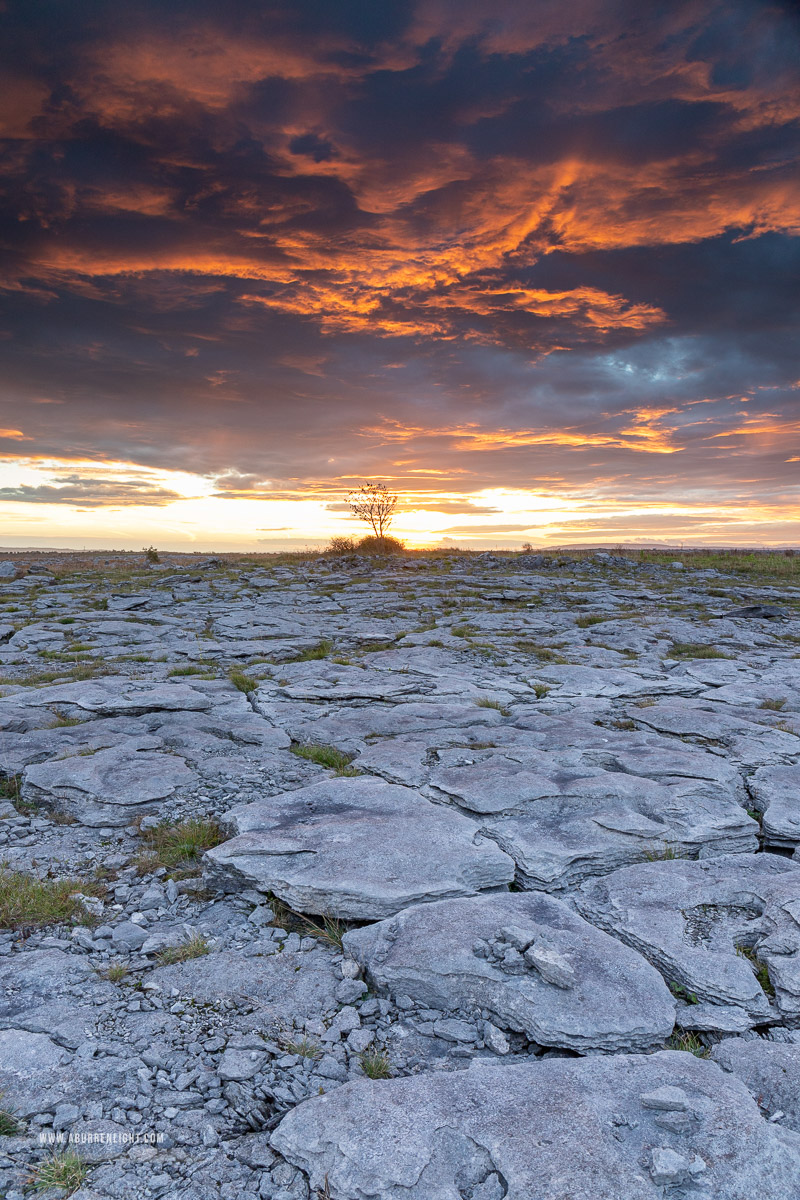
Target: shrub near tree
x: 384, y: 545
x: 341, y: 545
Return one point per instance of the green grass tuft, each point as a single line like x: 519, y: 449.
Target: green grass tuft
x: 375, y: 1063
x: 9, y: 1125
x: 114, y: 972
x: 326, y: 756
x: 321, y: 650
x: 694, y: 650
x: 332, y: 930
x: 28, y: 903
x: 679, y: 991
x: 243, y: 682
x: 759, y: 968
x: 193, y: 947
x: 464, y: 631
x: 178, y: 844
x: 303, y: 1046
x: 689, y: 1042
x: 10, y: 788
x: 65, y: 1170
x: 662, y: 853
x: 543, y: 653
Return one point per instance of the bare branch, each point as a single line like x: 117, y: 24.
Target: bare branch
x: 374, y: 504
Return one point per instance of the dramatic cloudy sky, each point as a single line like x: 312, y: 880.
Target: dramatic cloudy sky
x: 533, y: 262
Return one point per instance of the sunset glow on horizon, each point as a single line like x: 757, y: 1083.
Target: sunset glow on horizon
x: 535, y: 268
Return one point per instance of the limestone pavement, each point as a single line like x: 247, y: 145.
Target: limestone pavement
x: 504, y: 900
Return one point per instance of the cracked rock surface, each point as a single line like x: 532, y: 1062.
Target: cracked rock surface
x: 527, y: 958
x: 356, y: 848
x: 708, y: 924
x: 486, y: 882
x: 621, y: 1126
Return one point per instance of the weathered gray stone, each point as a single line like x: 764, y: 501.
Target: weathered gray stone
x: 353, y: 727
x: 712, y: 1018
x: 240, y: 1064
x: 98, y: 1141
x: 769, y: 1070
x: 129, y: 936
x: 109, y: 787
x: 593, y: 824
x: 328, y: 681
x: 48, y: 991
x: 65, y: 1115
x: 614, y: 684
x: 37, y: 1074
x: 357, y: 848
x: 577, y: 1130
x: 280, y: 986
x: 492, y: 781
x: 117, y: 695
x: 702, y: 722
x: 31, y: 1064
x: 776, y: 793
x: 765, y: 612
x: 622, y: 759
x: 689, y: 918
x: 579, y: 988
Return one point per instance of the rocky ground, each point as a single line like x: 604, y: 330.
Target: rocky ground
x: 501, y: 893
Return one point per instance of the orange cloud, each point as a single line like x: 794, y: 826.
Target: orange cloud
x: 765, y: 427
x: 641, y: 437
x: 588, y: 305
x: 198, y: 64
x: 507, y: 214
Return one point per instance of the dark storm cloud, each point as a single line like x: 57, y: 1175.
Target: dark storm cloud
x: 291, y: 246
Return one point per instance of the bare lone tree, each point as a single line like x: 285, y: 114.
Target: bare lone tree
x: 374, y: 504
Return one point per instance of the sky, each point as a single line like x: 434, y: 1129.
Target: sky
x: 534, y: 265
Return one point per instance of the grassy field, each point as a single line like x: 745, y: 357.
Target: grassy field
x: 130, y: 568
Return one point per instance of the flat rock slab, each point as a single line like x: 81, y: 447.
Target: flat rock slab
x: 613, y: 684
x: 47, y: 991
x: 117, y: 696
x: 769, y: 1070
x: 600, y: 1128
x: 702, y: 722
x: 31, y: 1066
x: 688, y: 918
x: 490, y: 781
x: 355, y: 848
x: 351, y: 727
x: 657, y: 759
x: 776, y: 793
x: 280, y: 986
x: 528, y: 959
x: 108, y: 787
x: 36, y: 1074
x: 712, y: 1018
x: 594, y: 824
x: 30, y: 979
x: 764, y: 612
x: 398, y: 760
x: 326, y: 681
